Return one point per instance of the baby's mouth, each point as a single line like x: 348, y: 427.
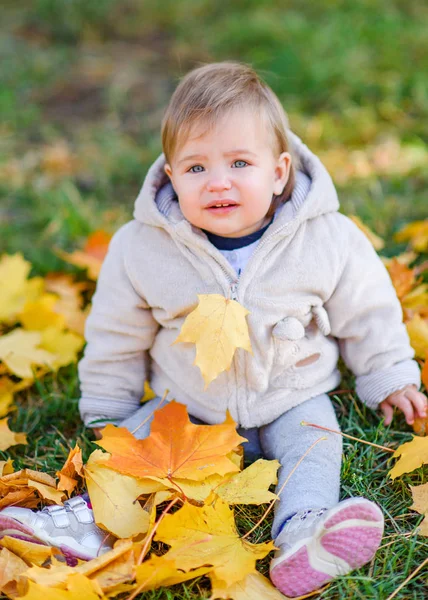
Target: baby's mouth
x: 222, y: 208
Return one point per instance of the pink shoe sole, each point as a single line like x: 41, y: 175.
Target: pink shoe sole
x: 346, y: 539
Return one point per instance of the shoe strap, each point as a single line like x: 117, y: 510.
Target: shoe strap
x: 80, y: 509
x: 58, y: 514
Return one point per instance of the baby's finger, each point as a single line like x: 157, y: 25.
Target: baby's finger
x: 388, y: 412
x: 404, y: 404
x: 418, y: 400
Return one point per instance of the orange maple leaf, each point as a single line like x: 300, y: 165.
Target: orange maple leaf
x: 175, y: 447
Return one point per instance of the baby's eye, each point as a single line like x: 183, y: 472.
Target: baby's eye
x: 196, y: 167
x: 240, y: 161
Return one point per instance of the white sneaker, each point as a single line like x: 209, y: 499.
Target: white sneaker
x: 314, y: 547
x: 71, y: 528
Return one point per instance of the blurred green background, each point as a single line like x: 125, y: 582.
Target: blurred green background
x: 84, y: 84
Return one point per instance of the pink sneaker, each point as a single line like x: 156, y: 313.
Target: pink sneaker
x: 315, y: 547
x: 71, y: 528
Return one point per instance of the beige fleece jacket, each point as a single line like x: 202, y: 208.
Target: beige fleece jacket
x: 313, y: 286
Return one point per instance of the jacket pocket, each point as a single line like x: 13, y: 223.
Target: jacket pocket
x: 305, y: 355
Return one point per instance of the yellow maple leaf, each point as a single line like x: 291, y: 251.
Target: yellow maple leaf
x: 9, y: 438
x: 11, y: 567
x: 16, y: 289
x: 18, y: 350
x: 70, y: 301
x: 39, y: 314
x: 251, y: 486
x: 253, y: 587
x: 7, y: 387
x: 113, y: 498
x: 416, y: 233
x: 376, y: 241
x: 217, y: 326
x: 411, y: 455
x: 78, y: 587
x: 6, y: 467
x: 110, y: 569
x: 159, y: 571
x: 63, y: 345
x: 31, y: 552
x: 207, y: 535
x: 417, y: 329
x: 420, y: 504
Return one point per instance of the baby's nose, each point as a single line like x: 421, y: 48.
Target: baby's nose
x: 218, y: 182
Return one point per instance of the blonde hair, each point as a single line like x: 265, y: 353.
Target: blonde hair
x: 206, y: 93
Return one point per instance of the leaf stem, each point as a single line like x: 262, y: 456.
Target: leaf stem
x: 269, y: 508
x: 351, y: 437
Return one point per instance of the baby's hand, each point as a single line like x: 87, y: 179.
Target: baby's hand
x: 411, y: 402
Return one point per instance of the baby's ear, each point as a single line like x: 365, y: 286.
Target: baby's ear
x: 168, y: 170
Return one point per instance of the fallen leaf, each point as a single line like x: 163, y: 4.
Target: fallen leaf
x: 175, y: 447
x: 420, y: 504
x: 11, y: 567
x: 70, y: 301
x: 47, y: 492
x: 251, y: 486
x: 63, y: 345
x: 78, y: 587
x: 207, y: 535
x: 402, y: 277
x: 23, y: 476
x: 417, y: 329
x: 253, y: 587
x: 112, y: 568
x: 424, y: 373
x: 218, y: 327
x: 7, y: 387
x: 411, y: 455
x: 72, y: 469
x: 416, y: 233
x: 18, y: 350
x: 39, y: 314
x: 113, y: 498
x: 6, y: 467
x: 16, y: 288
x: 24, y: 497
x: 30, y: 552
x: 9, y: 438
x: 158, y: 572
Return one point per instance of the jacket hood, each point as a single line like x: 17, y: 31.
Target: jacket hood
x: 320, y: 198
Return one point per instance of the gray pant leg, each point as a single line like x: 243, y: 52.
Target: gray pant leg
x: 315, y: 483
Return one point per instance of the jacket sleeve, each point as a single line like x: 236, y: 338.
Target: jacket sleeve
x: 366, y: 318
x: 119, y: 331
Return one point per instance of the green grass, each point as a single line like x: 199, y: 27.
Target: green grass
x: 97, y: 76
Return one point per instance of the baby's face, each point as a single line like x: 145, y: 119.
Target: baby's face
x: 232, y: 163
